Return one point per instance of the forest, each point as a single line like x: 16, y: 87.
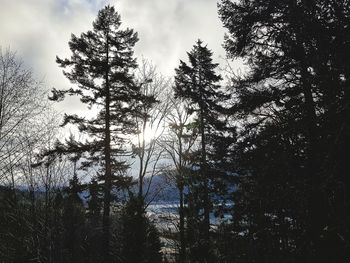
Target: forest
x: 255, y: 159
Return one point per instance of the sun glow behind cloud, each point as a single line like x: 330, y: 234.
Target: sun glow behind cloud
x: 40, y: 29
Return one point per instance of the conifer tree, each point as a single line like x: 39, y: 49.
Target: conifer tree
x: 94, y: 203
x: 198, y: 83
x: 73, y: 219
x: 140, y: 238
x: 101, y: 66
x: 292, y: 103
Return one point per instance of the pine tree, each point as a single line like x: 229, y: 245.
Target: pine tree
x: 101, y: 66
x: 198, y: 83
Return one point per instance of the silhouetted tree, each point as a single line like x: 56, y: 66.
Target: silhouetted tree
x: 292, y: 103
x: 101, y: 65
x: 178, y: 142
x: 94, y: 203
x: 21, y: 105
x: 73, y: 219
x: 198, y: 83
x: 140, y: 239
x: 15, y: 239
x: 93, y: 229
x: 150, y: 123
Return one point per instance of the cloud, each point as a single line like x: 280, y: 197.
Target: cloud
x: 168, y: 29
x: 40, y: 29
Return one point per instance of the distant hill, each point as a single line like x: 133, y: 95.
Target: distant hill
x: 161, y: 189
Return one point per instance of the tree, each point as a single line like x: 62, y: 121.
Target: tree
x: 150, y: 124
x: 94, y: 203
x: 93, y: 231
x: 178, y: 142
x: 16, y: 241
x: 292, y: 103
x: 43, y: 179
x: 73, y: 219
x: 26, y: 126
x: 101, y: 65
x: 198, y: 83
x: 140, y: 238
x: 20, y: 106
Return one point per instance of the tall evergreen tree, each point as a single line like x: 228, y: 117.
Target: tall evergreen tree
x: 198, y: 83
x: 292, y: 102
x: 101, y: 66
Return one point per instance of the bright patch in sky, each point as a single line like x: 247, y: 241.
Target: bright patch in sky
x: 39, y: 30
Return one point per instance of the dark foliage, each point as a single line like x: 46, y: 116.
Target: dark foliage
x: 101, y: 66
x: 198, y: 83
x: 293, y: 104
x: 140, y: 239
x: 284, y: 166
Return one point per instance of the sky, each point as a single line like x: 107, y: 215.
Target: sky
x: 38, y: 30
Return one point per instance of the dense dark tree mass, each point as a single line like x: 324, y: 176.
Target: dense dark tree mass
x: 293, y: 103
x: 259, y: 160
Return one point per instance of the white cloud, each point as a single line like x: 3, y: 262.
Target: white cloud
x: 40, y: 29
x: 168, y: 29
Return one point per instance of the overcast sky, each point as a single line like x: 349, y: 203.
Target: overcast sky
x: 40, y: 29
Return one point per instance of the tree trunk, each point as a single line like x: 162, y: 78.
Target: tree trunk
x: 108, y: 168
x: 205, y: 186
x: 182, y: 225
x: 204, y: 176
x: 315, y: 200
